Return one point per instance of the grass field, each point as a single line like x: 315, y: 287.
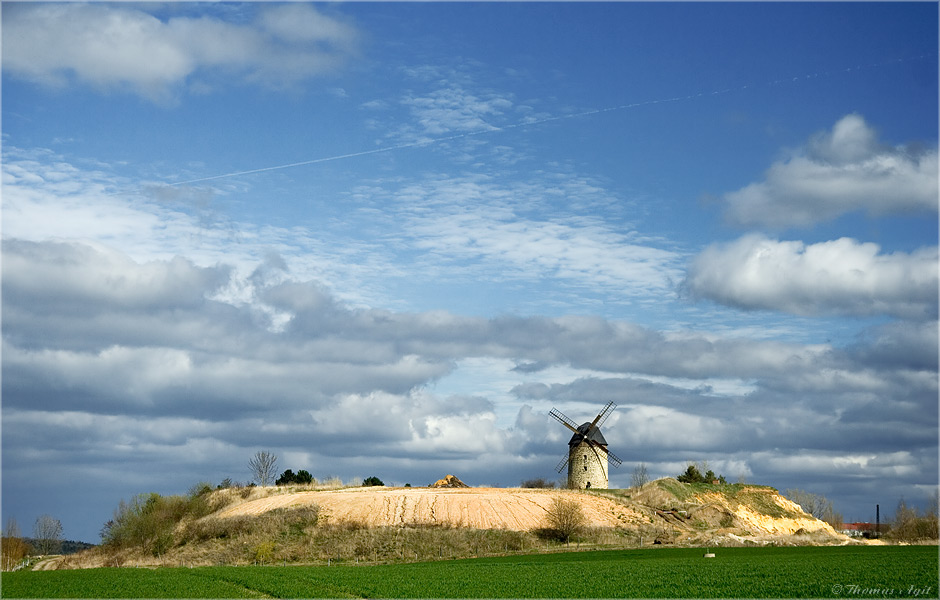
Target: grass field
x: 791, y: 572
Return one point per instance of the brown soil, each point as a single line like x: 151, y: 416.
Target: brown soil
x: 51, y: 563
x: 480, y: 508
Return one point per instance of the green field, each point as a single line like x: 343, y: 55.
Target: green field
x: 793, y: 572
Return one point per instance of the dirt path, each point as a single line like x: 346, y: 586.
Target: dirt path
x: 50, y: 563
x: 484, y: 508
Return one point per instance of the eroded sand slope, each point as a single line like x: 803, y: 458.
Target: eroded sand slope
x: 484, y: 508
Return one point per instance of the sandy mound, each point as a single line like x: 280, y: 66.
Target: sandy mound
x: 751, y: 510
x: 665, y: 510
x: 483, y: 508
x: 449, y: 482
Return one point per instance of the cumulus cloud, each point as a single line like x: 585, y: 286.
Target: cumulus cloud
x: 904, y: 344
x: 839, y: 171
x: 127, y: 48
x: 85, y: 276
x: 841, y: 276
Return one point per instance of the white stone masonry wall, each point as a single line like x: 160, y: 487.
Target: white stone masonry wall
x: 587, y: 465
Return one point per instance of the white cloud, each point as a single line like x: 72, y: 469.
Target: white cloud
x: 445, y: 105
x: 45, y: 197
x: 126, y: 48
x: 657, y: 426
x: 104, y: 276
x: 841, y: 276
x: 565, y: 229
x: 452, y: 110
x: 885, y: 466
x: 840, y: 171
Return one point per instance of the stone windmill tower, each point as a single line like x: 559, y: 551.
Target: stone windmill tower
x: 588, y: 456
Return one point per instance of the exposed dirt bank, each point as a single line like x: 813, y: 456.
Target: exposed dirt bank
x: 479, y: 508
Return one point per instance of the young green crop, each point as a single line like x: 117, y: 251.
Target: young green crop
x: 808, y: 572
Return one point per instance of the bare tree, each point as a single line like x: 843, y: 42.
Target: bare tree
x: 814, y: 504
x: 566, y: 517
x: 640, y: 476
x: 12, y: 529
x: 817, y: 505
x: 48, y: 534
x: 263, y: 466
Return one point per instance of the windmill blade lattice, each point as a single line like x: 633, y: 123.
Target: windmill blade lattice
x: 602, y: 416
x: 613, y: 458
x: 561, y: 418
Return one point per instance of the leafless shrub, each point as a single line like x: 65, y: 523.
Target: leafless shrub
x: 539, y: 483
x: 566, y: 517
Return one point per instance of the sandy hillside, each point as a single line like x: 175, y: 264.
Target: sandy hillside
x: 740, y: 510
x: 484, y: 508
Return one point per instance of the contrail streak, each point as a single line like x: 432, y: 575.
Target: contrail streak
x: 495, y: 129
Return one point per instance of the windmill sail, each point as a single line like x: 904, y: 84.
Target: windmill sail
x: 561, y: 418
x: 602, y: 416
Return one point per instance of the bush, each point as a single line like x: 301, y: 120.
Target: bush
x: 693, y: 475
x: 207, y: 529
x: 910, y: 525
x: 148, y: 521
x: 539, y: 483
x: 12, y: 551
x: 566, y: 517
x: 264, y: 552
x: 288, y: 477
x: 371, y: 481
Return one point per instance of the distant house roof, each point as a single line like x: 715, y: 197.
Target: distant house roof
x: 595, y: 436
x: 858, y: 527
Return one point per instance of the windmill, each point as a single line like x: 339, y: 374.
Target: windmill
x: 588, y: 455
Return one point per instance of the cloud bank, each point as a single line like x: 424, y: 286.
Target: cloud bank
x: 839, y: 171
x: 108, y: 359
x: 842, y: 277
x: 123, y: 48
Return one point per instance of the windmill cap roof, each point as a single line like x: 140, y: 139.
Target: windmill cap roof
x: 595, y: 435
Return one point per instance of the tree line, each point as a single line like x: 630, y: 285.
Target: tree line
x: 263, y: 466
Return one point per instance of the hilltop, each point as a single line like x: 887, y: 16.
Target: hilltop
x: 678, y: 509
x: 299, y: 524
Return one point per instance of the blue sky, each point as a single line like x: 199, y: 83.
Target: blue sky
x: 386, y: 239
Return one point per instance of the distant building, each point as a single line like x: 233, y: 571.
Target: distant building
x: 859, y: 529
